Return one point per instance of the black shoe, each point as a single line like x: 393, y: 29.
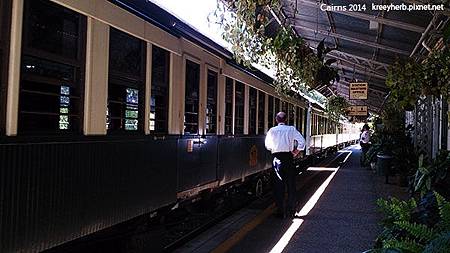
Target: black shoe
x: 290, y: 214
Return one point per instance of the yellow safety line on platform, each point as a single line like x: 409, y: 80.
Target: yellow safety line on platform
x: 233, y: 240
x: 239, y: 235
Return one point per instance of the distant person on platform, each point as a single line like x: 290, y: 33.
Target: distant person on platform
x: 280, y: 141
x: 364, y: 142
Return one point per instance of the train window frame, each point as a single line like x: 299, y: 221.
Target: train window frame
x: 61, y: 89
x: 300, y: 119
x: 261, y: 112
x: 5, y: 24
x: 188, y: 58
x: 229, y: 106
x: 213, y: 70
x: 252, y: 110
x: 291, y: 114
x: 270, y: 111
x: 236, y: 104
x: 154, y: 104
x: 276, y: 109
x: 125, y: 85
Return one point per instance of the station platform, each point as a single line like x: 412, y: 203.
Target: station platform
x: 336, y: 212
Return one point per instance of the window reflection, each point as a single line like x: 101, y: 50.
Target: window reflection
x: 160, y: 90
x: 126, y: 79
x: 191, y: 97
x: 51, y: 66
x: 211, y: 105
x: 239, y: 108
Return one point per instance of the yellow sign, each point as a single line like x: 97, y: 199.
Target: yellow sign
x: 357, y: 110
x: 358, y: 90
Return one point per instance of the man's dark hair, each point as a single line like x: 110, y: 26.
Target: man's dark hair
x: 366, y: 127
x: 281, y: 117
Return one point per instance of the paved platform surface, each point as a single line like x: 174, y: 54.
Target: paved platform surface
x: 344, y: 219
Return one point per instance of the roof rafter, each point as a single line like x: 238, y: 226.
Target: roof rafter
x: 354, y: 40
x: 360, y: 15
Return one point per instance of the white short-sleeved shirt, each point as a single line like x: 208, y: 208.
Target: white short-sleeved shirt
x: 365, y: 137
x: 281, y: 139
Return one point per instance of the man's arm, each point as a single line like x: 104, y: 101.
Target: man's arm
x: 269, y: 141
x: 300, y: 140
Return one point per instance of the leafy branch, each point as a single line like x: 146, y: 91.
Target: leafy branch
x: 248, y: 25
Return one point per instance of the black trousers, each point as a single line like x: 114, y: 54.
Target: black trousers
x: 284, y: 177
x: 364, y: 148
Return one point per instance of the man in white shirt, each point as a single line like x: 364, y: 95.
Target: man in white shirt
x: 280, y: 142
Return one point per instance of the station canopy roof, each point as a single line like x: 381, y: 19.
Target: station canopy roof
x: 366, y: 41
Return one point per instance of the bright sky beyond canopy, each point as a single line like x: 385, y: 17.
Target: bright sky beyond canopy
x: 195, y: 13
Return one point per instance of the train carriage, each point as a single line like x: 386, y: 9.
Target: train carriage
x: 114, y: 109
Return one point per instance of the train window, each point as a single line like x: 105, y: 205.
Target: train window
x: 239, y: 108
x: 126, y: 82
x: 313, y: 127
x: 252, y: 111
x: 305, y: 120
x: 52, y: 64
x: 291, y: 114
x: 211, y: 103
x: 191, y: 98
x: 52, y: 29
x: 5, y: 14
x: 261, y: 115
x: 295, y: 113
x: 277, y: 107
x: 229, y: 106
x: 285, y: 110
x: 315, y: 124
x: 284, y: 107
x: 159, y: 100
x: 299, y: 119
x: 270, y: 112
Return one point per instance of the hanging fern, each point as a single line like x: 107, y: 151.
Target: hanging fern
x: 245, y: 26
x: 336, y: 106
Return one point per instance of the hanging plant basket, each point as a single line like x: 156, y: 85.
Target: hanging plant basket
x: 336, y: 106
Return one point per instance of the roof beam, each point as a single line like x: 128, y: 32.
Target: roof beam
x: 372, y: 85
x: 360, y: 15
x: 376, y: 64
x: 376, y: 51
x: 358, y: 70
x: 355, y: 40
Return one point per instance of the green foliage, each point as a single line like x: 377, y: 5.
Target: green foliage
x: 297, y: 67
x: 439, y: 245
x: 404, y: 234
x: 427, y: 176
x: 395, y: 210
x: 444, y: 212
x: 418, y: 231
x: 405, y: 245
x: 404, y: 79
x: 409, y: 79
x: 336, y: 106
